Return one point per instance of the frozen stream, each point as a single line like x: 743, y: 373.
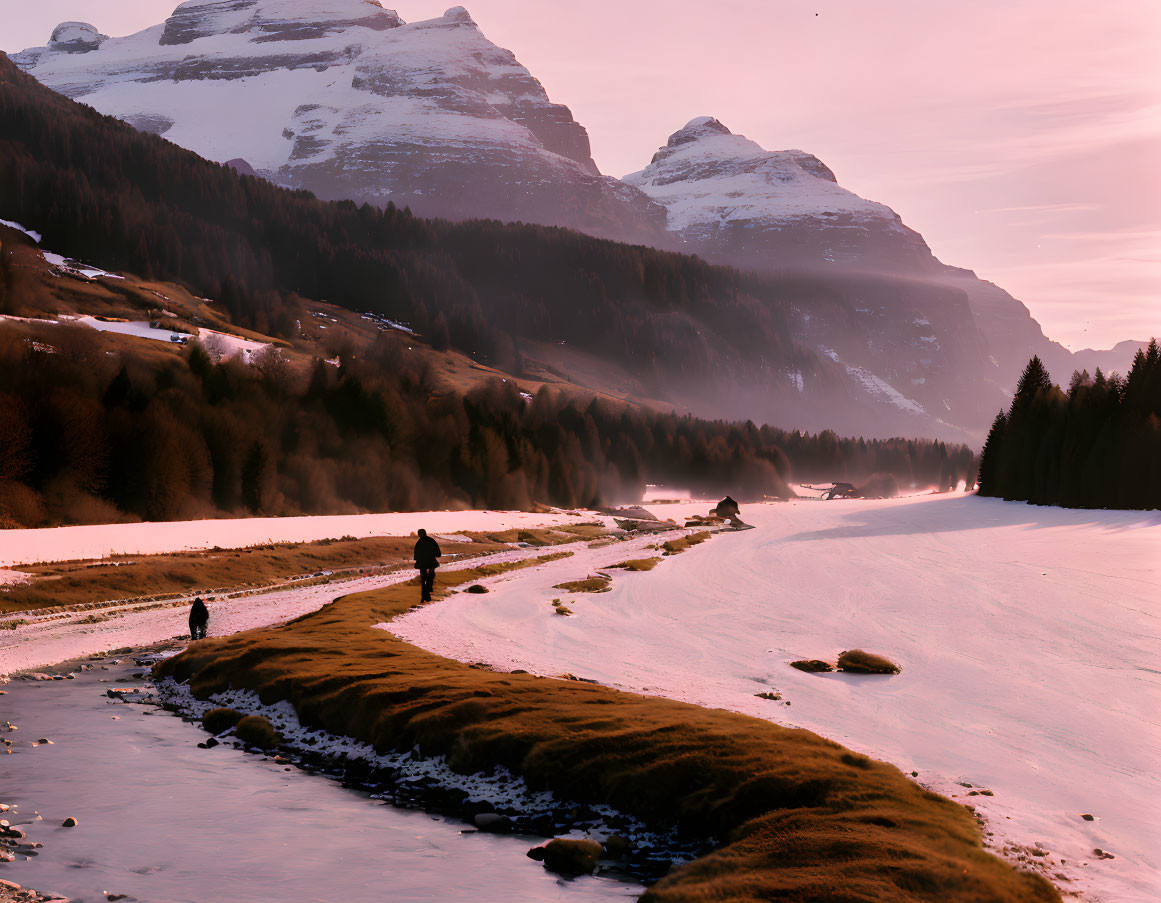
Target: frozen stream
x: 163, y: 821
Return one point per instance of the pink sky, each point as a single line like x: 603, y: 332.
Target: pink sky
x: 1022, y: 138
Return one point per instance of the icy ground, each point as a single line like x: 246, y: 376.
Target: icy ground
x: 43, y: 639
x: 1028, y: 638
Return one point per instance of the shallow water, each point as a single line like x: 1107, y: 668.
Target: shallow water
x: 166, y: 822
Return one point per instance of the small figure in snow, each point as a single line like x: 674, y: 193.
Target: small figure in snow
x: 427, y: 560
x: 199, y: 617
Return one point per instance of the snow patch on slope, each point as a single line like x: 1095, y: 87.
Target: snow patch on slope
x: 878, y: 388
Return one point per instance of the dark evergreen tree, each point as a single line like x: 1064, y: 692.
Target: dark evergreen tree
x: 1098, y: 446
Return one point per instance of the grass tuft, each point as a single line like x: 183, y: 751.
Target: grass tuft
x: 639, y: 564
x: 674, y: 546
x: 856, y: 661
x: 598, y: 583
x: 256, y: 730
x: 570, y: 857
x: 812, y: 665
x: 218, y: 721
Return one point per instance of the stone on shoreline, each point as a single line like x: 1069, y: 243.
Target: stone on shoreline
x: 492, y: 822
x: 572, y: 857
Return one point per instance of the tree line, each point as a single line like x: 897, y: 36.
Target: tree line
x: 87, y: 436
x: 1096, y: 445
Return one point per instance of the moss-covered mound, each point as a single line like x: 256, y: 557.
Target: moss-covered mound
x: 256, y: 730
x: 812, y: 665
x: 639, y: 564
x: 598, y: 583
x: 567, y: 856
x: 673, y: 546
x: 800, y: 817
x: 856, y: 661
x: 217, y: 721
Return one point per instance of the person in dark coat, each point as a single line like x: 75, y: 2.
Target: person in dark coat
x: 199, y: 617
x: 427, y: 560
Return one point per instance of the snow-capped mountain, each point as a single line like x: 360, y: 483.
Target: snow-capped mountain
x: 734, y: 201
x: 344, y: 98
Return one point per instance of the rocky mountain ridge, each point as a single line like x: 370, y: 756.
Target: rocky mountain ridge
x: 344, y: 98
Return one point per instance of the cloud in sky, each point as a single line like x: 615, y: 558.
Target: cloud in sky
x: 992, y: 128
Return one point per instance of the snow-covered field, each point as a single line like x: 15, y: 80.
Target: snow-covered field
x: 1028, y: 638
x: 101, y: 540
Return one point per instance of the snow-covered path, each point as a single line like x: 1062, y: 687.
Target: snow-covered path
x: 101, y: 540
x: 1028, y: 637
x: 57, y: 637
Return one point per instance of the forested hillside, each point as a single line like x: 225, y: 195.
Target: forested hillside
x: 89, y: 436
x: 1098, y: 445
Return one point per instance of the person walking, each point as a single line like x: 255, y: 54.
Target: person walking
x: 199, y: 617
x: 427, y: 560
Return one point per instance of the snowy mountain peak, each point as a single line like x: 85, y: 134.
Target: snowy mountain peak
x: 459, y: 16
x: 701, y: 127
x: 714, y: 183
x: 76, y: 37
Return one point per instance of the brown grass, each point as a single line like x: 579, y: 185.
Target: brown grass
x: 673, y: 546
x: 856, y: 661
x: 217, y: 721
x: 571, y: 857
x: 128, y: 577
x: 598, y: 583
x: 812, y: 665
x: 797, y: 820
x: 544, y: 536
x: 639, y: 564
x: 256, y: 730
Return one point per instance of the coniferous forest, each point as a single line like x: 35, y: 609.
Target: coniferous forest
x: 87, y: 436
x: 1096, y: 445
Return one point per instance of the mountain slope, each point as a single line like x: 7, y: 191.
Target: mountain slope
x: 345, y: 99
x: 733, y: 202
x: 729, y: 198
x: 702, y: 338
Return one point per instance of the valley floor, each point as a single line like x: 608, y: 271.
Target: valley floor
x: 1028, y: 639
